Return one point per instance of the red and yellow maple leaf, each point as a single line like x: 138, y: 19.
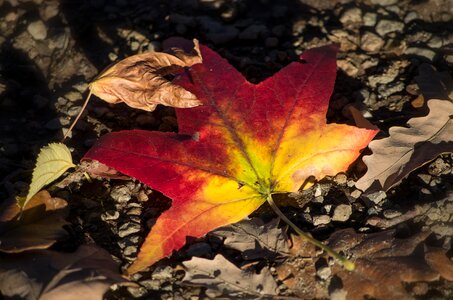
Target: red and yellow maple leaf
x: 243, y: 144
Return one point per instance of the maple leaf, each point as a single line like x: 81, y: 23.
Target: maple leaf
x: 245, y: 143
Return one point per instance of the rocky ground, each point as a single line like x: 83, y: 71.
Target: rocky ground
x: 50, y: 51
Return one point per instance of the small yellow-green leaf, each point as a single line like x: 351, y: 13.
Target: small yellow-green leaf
x: 53, y: 160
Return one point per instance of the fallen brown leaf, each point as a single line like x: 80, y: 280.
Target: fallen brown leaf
x: 384, y: 264
x: 223, y: 278
x: 139, y: 80
x: 407, y: 149
x: 48, y: 275
x: 37, y: 227
x: 254, y: 238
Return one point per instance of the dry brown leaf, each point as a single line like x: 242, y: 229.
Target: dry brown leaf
x: 139, y: 80
x: 37, y: 227
x: 407, y: 149
x: 48, y: 275
x: 222, y: 278
x: 254, y: 238
x: 383, y: 264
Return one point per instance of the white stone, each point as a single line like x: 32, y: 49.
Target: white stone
x: 37, y: 30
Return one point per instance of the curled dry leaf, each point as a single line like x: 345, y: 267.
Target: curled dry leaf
x: 223, y: 279
x: 139, y: 80
x: 48, y: 275
x: 37, y: 226
x: 53, y: 160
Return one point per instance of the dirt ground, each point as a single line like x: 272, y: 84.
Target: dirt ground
x: 50, y: 51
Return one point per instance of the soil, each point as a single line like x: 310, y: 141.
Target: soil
x: 50, y: 51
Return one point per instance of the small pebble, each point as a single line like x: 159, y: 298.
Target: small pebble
x: 341, y: 179
x: 369, y: 19
x: 62, y: 101
x: 110, y: 215
x: 324, y: 272
x: 352, y: 15
x: 37, y: 30
x: 73, y: 96
x: 134, y: 211
x: 128, y: 228
x: 113, y: 56
x: 318, y: 191
x: 421, y: 52
x: 425, y: 178
x: 321, y: 220
x: 411, y: 16
x: 137, y: 291
x: 377, y: 197
x: 342, y: 213
x: 142, y: 196
x: 73, y: 111
x: 150, y: 284
x: 328, y: 208
x: 120, y: 194
x: 371, y: 42
x: 130, y: 251
x: 163, y: 273
x: 387, y: 26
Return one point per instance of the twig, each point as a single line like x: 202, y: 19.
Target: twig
x: 78, y: 116
x: 347, y: 264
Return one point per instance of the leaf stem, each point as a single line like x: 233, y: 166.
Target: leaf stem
x: 347, y: 264
x: 78, y: 116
